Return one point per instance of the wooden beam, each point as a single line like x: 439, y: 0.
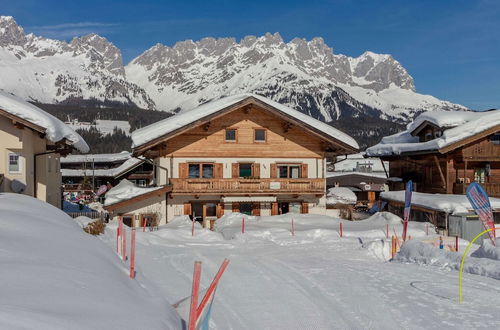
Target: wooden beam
x: 441, y: 174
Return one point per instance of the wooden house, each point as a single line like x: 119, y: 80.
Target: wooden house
x: 243, y: 153
x: 443, y: 152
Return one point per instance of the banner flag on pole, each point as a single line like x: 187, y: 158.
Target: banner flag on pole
x: 406, y: 216
x: 480, y: 202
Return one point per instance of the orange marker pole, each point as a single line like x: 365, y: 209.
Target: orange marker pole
x: 387, y: 230
x: 340, y: 229
x: 243, y: 225
x: 456, y: 243
x: 194, y: 296
x: 124, y: 243
x: 293, y: 229
x: 132, y: 254
x: 118, y: 234
x: 143, y: 224
x: 192, y: 228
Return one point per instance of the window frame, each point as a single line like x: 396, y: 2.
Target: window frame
x: 235, y: 135
x: 288, y: 166
x: 255, y: 135
x: 19, y: 163
x: 239, y: 170
x: 200, y: 170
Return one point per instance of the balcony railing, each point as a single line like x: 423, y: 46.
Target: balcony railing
x: 250, y: 186
x: 493, y: 189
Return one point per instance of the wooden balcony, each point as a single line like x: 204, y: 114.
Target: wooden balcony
x: 493, y: 189
x: 247, y: 186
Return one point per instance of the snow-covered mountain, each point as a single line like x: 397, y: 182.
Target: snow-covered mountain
x: 302, y: 74
x: 88, y: 68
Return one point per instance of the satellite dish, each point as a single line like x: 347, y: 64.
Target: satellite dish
x: 17, y: 186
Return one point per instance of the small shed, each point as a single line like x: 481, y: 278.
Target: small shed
x: 340, y: 202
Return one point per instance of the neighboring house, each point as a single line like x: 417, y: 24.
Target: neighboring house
x: 31, y: 143
x: 443, y: 152
x: 243, y: 153
x: 366, y: 177
x: 89, y: 172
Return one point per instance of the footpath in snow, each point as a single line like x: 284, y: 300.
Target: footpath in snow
x: 314, y: 279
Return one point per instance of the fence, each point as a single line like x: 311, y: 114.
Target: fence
x: 91, y: 215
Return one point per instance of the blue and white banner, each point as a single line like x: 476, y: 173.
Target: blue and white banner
x: 480, y: 202
x: 406, y: 213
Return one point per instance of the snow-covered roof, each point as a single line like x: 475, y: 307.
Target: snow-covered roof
x: 368, y: 175
x: 467, y: 124
x: 121, y: 156
x: 452, y: 204
x: 163, y: 127
x: 55, y: 129
x: 126, y: 190
x: 110, y: 172
x: 340, y: 195
x: 350, y: 163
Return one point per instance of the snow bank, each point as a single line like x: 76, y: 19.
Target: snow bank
x: 452, y: 204
x: 340, y: 195
x: 488, y: 250
x: 126, y: 190
x: 153, y: 131
x: 469, y: 124
x: 55, y: 276
x: 56, y: 130
x: 424, y: 254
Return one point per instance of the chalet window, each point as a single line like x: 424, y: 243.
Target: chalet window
x: 495, y: 138
x: 230, y: 135
x: 245, y: 170
x: 141, y: 183
x: 480, y: 175
x: 289, y: 171
x: 205, y: 171
x: 428, y: 137
x: 14, y: 163
x: 260, y: 135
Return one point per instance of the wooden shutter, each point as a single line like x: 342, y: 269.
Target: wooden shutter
x: 274, y: 171
x: 187, y: 208
x: 303, y: 170
x: 256, y: 170
x: 256, y: 209
x: 220, y: 210
x: 274, y: 208
x: 218, y: 170
x: 183, y: 170
x: 235, y: 170
x: 304, y: 207
x: 236, y: 207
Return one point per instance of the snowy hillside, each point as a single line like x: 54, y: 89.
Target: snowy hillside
x: 303, y: 74
x: 55, y: 276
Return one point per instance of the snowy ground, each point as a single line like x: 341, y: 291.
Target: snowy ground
x: 315, y: 279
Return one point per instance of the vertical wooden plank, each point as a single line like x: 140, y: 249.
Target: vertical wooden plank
x: 187, y: 208
x: 183, y: 170
x: 274, y: 171
x: 256, y: 170
x: 303, y: 171
x: 274, y: 208
x: 304, y: 207
x: 218, y: 174
x: 235, y: 170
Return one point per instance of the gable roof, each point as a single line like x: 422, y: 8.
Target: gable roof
x: 154, y: 134
x: 467, y: 127
x: 35, y: 118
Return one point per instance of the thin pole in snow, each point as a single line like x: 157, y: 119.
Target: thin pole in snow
x: 293, y: 229
x: 243, y: 225
x: 426, y: 229
x: 194, y: 295
x: 132, y: 254
x: 211, y: 289
x: 124, y: 243
x: 118, y: 234
x: 192, y: 225
x: 340, y: 229
x: 456, y: 243
x: 386, y: 230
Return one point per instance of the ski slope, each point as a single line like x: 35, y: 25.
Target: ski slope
x: 315, y: 279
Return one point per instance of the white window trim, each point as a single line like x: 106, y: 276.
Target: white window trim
x: 20, y: 162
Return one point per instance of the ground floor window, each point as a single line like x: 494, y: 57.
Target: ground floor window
x: 14, y: 163
x: 128, y: 220
x: 289, y: 207
x: 149, y: 220
x: 246, y: 208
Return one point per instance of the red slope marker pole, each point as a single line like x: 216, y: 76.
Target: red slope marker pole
x: 456, y: 243
x: 387, y: 230
x: 143, y: 224
x: 118, y: 234
x: 194, y: 296
x: 124, y: 243
x: 211, y: 288
x: 293, y: 229
x: 132, y: 254
x: 243, y: 225
x: 426, y: 229
x: 340, y: 229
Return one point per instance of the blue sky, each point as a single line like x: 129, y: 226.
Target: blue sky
x: 451, y: 48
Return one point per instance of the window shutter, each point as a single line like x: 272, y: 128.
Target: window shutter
x: 305, y: 208
x: 236, y: 207
x: 256, y: 209
x: 235, y: 170
x: 183, y: 170
x: 303, y: 171
x: 274, y: 208
x: 274, y: 171
x: 256, y: 170
x: 218, y: 170
x: 220, y: 210
x: 187, y: 208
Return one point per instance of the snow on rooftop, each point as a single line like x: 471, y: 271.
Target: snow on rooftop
x: 403, y: 142
x: 110, y: 172
x: 56, y: 130
x: 124, y: 155
x: 445, y: 119
x: 55, y: 276
x: 126, y: 190
x: 452, y: 204
x: 153, y: 131
x: 340, y: 195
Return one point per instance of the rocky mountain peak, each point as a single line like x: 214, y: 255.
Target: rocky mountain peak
x: 11, y: 34
x: 99, y: 49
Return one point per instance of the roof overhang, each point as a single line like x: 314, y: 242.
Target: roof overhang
x: 136, y: 199
x: 335, y: 144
